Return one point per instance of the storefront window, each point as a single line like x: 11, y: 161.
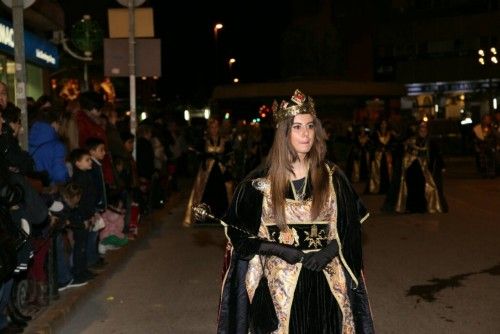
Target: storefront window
x: 34, y: 78
x: 7, y: 75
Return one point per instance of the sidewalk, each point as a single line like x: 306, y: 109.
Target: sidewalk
x: 52, y: 317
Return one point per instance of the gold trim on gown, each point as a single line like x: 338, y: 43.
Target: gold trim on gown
x: 201, y: 179
x: 375, y: 170
x: 415, y: 152
x: 282, y: 276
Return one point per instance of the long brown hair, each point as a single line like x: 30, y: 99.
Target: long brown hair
x: 279, y: 161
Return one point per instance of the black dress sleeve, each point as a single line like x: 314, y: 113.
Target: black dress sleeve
x: 243, y: 216
x: 351, y: 213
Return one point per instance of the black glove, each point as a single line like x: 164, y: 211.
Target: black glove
x: 317, y: 261
x: 288, y: 253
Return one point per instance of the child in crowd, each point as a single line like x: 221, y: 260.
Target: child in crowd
x: 82, y: 176
x: 97, y: 150
x: 70, y: 217
x: 112, y: 236
x: 128, y: 175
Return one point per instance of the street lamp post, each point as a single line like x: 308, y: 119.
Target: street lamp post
x: 217, y: 27
x: 18, y: 7
x: 230, y: 63
x: 17, y: 14
x: 131, y: 4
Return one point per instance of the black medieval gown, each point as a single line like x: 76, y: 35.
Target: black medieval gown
x: 331, y: 301
x: 421, y: 186
x: 381, y: 164
x: 212, y: 185
x: 358, y: 159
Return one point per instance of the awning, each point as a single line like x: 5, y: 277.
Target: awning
x: 312, y: 88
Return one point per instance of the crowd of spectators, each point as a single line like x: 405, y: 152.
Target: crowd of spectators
x: 76, y: 193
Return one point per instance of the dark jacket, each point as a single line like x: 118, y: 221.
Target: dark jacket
x: 100, y: 186
x: 72, y: 216
x: 87, y: 207
x: 87, y: 128
x: 13, y: 156
x: 145, y: 158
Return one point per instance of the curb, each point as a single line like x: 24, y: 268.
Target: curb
x: 51, y: 318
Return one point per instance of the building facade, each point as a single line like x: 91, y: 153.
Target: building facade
x: 41, y: 55
x: 444, y: 51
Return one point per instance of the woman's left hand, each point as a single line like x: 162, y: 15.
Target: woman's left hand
x: 318, y: 261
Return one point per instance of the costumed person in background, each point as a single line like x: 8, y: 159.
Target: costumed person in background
x: 496, y: 130
x: 213, y: 184
x: 240, y: 147
x: 331, y: 142
x: 485, y: 144
x: 254, y: 158
x: 381, y: 162
x: 295, y: 239
x: 421, y: 187
x: 358, y: 159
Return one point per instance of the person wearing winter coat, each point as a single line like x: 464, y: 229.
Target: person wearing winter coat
x: 46, y: 148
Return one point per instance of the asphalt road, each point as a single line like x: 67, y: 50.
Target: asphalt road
x: 425, y: 273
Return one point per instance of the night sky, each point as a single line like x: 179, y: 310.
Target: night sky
x: 251, y: 34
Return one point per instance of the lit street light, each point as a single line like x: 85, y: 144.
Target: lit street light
x: 217, y: 27
x: 236, y: 80
x: 231, y: 62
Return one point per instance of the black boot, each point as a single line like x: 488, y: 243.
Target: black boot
x: 43, y: 297
x: 32, y: 292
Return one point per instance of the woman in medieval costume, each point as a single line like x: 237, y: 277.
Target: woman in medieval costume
x: 295, y: 263
x: 358, y: 159
x: 381, y: 162
x: 421, y: 186
x: 485, y: 144
x: 213, y: 184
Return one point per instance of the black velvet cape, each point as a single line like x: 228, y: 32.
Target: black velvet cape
x: 245, y: 212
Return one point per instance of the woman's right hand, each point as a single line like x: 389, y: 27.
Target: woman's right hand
x: 290, y: 254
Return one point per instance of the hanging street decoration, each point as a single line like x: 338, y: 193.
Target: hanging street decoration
x: 87, y: 35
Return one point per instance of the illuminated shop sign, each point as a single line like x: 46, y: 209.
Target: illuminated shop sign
x: 446, y: 87
x: 36, y: 49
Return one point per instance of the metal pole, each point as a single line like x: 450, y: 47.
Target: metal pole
x: 18, y: 20
x: 85, y: 77
x: 131, y: 67
x: 216, y: 74
x: 490, y: 90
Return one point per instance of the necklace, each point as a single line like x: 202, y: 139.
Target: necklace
x: 300, y: 193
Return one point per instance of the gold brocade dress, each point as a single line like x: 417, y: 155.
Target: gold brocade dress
x: 305, y: 301
x: 358, y: 160
x: 211, y: 185
x: 381, y: 165
x: 417, y: 157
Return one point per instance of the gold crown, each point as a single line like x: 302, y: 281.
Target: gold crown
x: 303, y: 104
